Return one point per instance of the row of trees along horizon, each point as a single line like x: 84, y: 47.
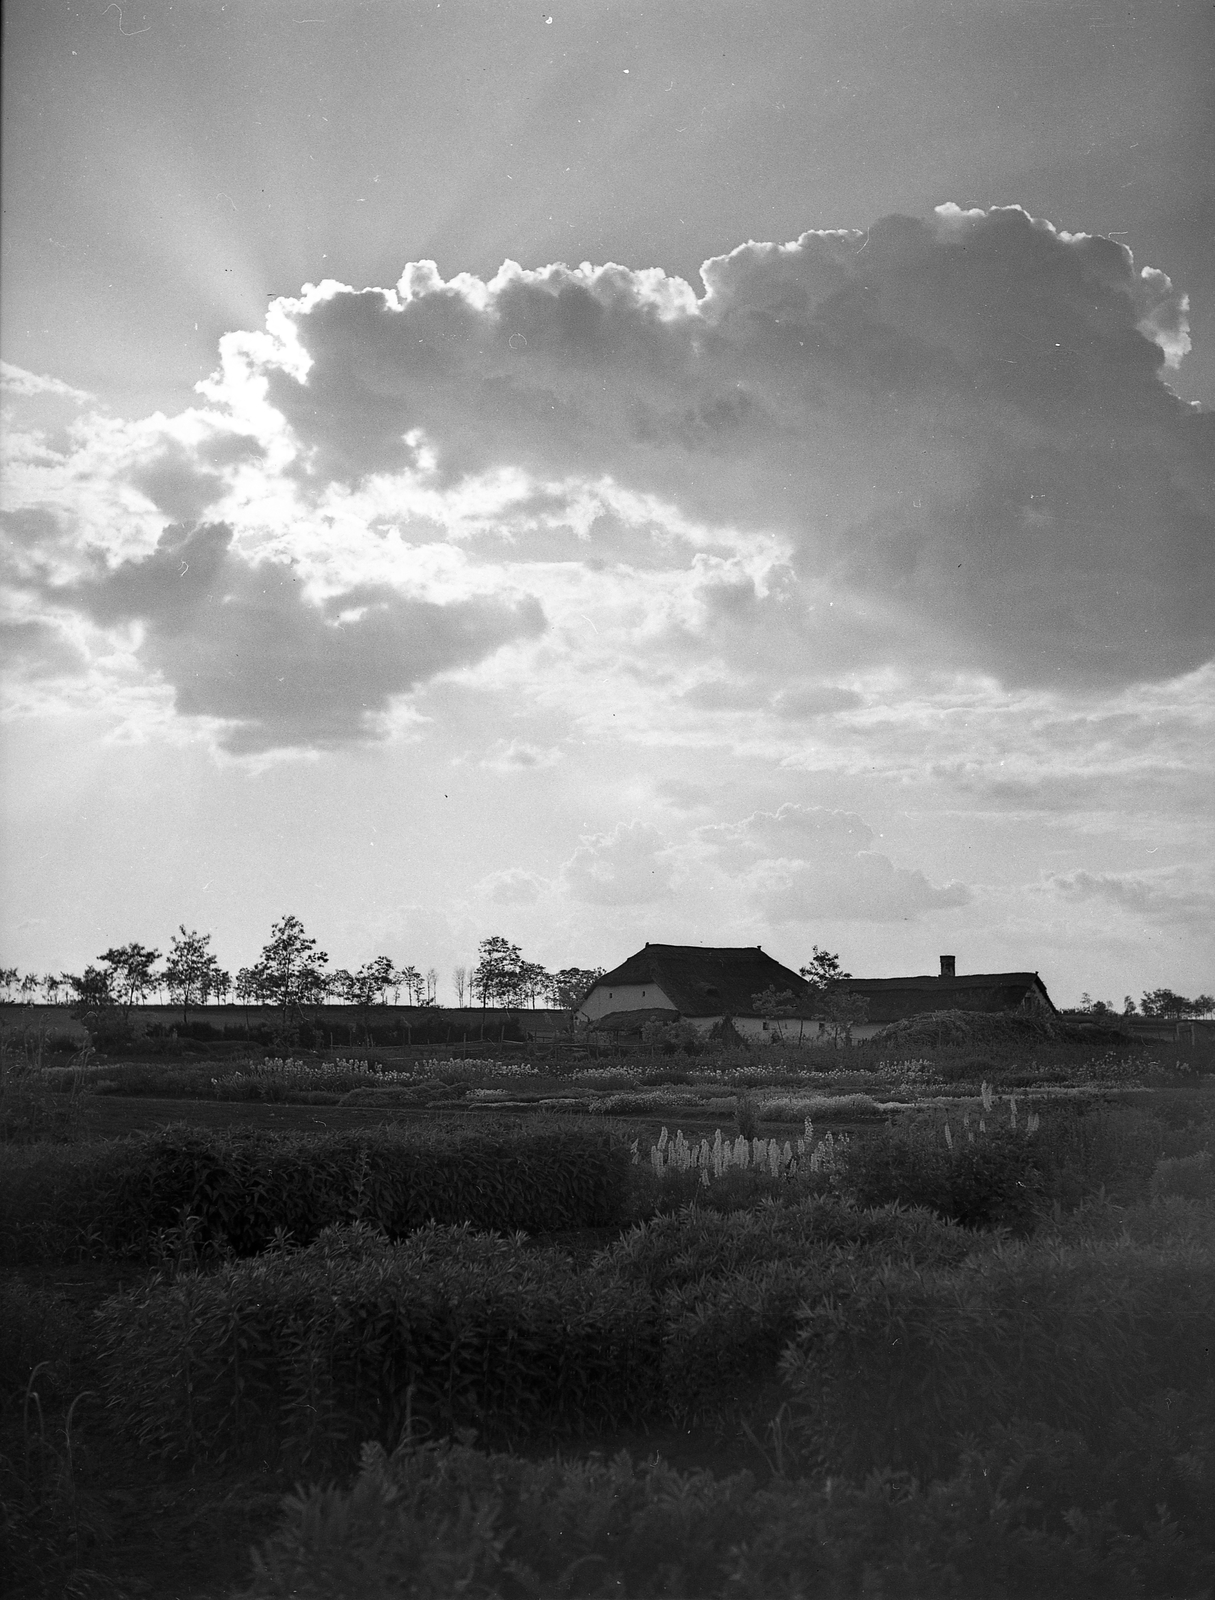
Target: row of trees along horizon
x: 293, y: 972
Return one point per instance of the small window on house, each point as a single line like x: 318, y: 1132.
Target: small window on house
x: 765, y: 1027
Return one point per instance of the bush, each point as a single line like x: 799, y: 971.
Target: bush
x: 676, y: 1251
x: 993, y: 1182
x: 1081, y: 1153
x: 1027, y: 1515
x: 894, y: 1367
x: 311, y: 1352
x: 730, y: 1285
x: 244, y: 1190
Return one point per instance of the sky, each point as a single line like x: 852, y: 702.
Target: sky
x: 603, y: 472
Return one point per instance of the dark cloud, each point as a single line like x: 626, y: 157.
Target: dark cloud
x: 175, y: 484
x: 1173, y: 896
x: 962, y: 424
x: 240, y: 641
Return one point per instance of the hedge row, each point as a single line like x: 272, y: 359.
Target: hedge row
x: 309, y: 1353
x: 1033, y: 1513
x: 239, y: 1192
x: 892, y: 1367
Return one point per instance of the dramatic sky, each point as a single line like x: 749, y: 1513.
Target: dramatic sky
x: 709, y: 472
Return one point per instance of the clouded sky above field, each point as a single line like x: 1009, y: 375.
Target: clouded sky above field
x: 380, y: 551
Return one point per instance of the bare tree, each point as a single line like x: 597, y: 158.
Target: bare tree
x: 459, y: 977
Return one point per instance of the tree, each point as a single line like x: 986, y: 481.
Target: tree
x: 1095, y: 1008
x: 496, y: 975
x: 411, y: 980
x: 192, y: 974
x: 1202, y: 1005
x: 1128, y: 1006
x: 459, y: 977
x: 94, y: 993
x: 131, y: 974
x: 773, y: 1007
x: 529, y: 980
x: 10, y: 977
x: 568, y: 988
x: 822, y: 973
x: 366, y: 987
x: 843, y: 1011
x: 290, y: 974
x: 1164, y: 1003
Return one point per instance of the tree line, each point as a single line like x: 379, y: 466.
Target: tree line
x: 1163, y: 1003
x: 292, y: 972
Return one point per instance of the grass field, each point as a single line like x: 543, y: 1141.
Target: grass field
x: 1120, y: 1169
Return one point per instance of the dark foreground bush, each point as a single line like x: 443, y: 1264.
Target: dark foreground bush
x: 994, y: 1181
x: 1028, y: 1517
x: 730, y: 1285
x: 310, y: 1352
x: 894, y: 1368
x: 238, y: 1192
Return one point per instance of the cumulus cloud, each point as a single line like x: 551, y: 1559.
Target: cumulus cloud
x: 243, y: 642
x: 802, y: 863
x: 960, y: 424
x: 626, y: 867
x: 840, y: 469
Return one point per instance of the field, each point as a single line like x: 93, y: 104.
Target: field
x: 732, y: 1325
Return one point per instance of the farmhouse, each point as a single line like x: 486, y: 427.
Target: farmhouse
x: 697, y: 984
x: 891, y: 999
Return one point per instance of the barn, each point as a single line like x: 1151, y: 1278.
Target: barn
x: 699, y: 984
x: 1004, y: 993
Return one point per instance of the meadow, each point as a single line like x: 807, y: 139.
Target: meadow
x: 762, y: 1322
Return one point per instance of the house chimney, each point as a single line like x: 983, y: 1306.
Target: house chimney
x: 949, y: 966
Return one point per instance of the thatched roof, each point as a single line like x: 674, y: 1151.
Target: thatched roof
x: 891, y: 999
x: 707, y: 981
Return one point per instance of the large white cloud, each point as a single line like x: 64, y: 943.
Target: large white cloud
x: 960, y: 424
x: 852, y: 472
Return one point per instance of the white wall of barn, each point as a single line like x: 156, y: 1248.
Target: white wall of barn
x: 624, y: 997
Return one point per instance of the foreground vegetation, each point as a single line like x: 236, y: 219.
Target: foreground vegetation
x: 967, y: 1352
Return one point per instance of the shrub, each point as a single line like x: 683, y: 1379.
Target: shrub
x: 675, y: 1251
x: 311, y: 1352
x: 1026, y: 1515
x: 730, y: 1285
x: 994, y: 1181
x: 244, y: 1190
x: 1083, y: 1152
x: 893, y: 1367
